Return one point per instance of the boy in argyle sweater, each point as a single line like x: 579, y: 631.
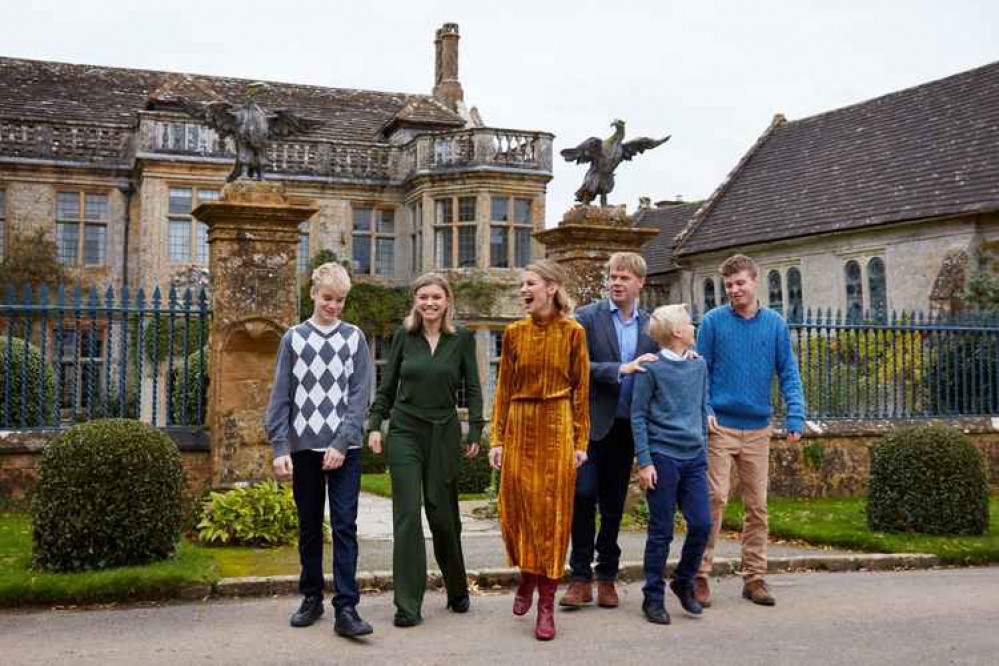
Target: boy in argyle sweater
x: 314, y: 423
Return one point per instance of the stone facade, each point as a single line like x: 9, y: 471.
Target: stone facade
x: 918, y: 260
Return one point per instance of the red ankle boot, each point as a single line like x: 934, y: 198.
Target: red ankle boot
x: 525, y: 593
x: 544, y: 630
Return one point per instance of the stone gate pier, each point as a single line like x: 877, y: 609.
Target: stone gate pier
x: 253, y: 250
x: 585, y: 239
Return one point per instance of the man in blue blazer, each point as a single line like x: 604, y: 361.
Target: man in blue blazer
x: 618, y: 343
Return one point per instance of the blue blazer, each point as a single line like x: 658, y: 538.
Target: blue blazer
x: 605, y: 361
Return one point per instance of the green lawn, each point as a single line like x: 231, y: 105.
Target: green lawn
x: 841, y: 522
x: 22, y: 585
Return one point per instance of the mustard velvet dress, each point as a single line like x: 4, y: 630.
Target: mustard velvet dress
x: 541, y: 417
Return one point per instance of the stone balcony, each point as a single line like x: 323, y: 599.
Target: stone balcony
x: 437, y: 152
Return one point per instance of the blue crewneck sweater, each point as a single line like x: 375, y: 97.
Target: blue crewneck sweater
x: 742, y: 356
x: 669, y: 409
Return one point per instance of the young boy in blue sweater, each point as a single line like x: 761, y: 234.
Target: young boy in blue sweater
x: 315, y: 422
x: 669, y: 413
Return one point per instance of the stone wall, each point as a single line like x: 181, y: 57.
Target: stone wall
x: 834, y: 459
x: 21, y: 458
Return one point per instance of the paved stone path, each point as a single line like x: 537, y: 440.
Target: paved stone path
x: 483, y: 543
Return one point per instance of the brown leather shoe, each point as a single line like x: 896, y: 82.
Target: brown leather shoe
x: 756, y: 591
x: 579, y: 593
x: 607, y: 594
x: 702, y: 593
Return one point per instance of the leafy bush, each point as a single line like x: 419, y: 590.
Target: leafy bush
x: 927, y: 479
x: 263, y: 514
x: 475, y: 475
x: 39, y: 383
x: 191, y: 387
x: 109, y: 493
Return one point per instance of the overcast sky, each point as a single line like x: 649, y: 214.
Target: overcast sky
x: 711, y: 73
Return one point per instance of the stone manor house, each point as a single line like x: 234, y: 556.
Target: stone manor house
x: 106, y: 163
x: 883, y: 205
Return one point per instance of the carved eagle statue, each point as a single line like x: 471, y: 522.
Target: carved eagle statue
x: 250, y: 126
x: 604, y: 157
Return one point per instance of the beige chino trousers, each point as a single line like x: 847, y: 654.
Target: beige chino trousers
x: 749, y: 451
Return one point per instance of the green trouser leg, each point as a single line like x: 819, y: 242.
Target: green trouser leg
x: 440, y: 495
x: 423, y: 463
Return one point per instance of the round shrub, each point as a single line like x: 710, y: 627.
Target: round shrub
x: 192, y: 386
x: 928, y: 479
x: 109, y: 493
x: 38, y: 383
x: 475, y: 475
x: 263, y: 514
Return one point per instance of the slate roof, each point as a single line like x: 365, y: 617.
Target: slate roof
x: 670, y: 218
x: 38, y: 90
x: 923, y: 152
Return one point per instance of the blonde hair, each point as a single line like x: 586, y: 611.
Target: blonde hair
x: 665, y: 321
x: 414, y: 320
x: 331, y: 275
x: 738, y: 263
x: 552, y: 273
x: 632, y: 262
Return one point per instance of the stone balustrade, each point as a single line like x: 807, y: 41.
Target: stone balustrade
x: 66, y: 141
x: 160, y: 133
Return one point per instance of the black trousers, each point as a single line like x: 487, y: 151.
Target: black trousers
x: 601, y: 482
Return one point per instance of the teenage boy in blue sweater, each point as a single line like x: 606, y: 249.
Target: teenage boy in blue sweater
x: 745, y: 345
x: 315, y: 421
x: 669, y: 411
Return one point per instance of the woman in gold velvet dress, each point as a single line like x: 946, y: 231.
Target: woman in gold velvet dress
x: 539, y: 435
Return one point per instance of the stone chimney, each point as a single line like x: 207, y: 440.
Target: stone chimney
x: 447, y: 87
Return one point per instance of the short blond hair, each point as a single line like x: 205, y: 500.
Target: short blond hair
x: 666, y: 320
x: 331, y: 274
x: 414, y: 320
x: 632, y: 262
x: 550, y: 272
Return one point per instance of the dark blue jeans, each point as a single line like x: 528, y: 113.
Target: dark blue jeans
x: 311, y: 484
x: 683, y: 482
x: 602, y: 481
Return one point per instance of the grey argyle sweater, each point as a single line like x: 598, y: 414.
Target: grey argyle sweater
x: 322, y: 388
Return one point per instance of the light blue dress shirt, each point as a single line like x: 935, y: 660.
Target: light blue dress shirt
x: 627, y: 343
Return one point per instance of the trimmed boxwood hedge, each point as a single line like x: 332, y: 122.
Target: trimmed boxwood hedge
x: 39, y: 384
x: 109, y: 493
x: 927, y: 479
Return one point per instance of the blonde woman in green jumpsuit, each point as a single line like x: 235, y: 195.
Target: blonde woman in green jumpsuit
x: 429, y: 358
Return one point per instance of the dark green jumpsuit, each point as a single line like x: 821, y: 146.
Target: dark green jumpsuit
x: 419, y: 394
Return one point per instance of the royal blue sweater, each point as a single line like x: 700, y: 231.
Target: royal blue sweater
x: 669, y: 409
x: 742, y: 356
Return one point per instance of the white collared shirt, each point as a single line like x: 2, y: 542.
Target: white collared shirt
x: 671, y: 355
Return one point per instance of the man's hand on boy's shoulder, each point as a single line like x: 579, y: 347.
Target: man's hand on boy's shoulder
x: 636, y: 365
x: 282, y: 467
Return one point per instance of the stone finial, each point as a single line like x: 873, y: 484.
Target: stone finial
x: 447, y: 86
x: 644, y: 203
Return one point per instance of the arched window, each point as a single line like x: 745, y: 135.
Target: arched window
x: 794, y: 298
x: 877, y: 288
x: 854, y: 292
x: 709, y: 294
x: 775, y: 292
x: 723, y: 295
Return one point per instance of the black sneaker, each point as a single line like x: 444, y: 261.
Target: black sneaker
x: 349, y: 623
x: 405, y: 621
x: 655, y: 612
x: 310, y: 611
x: 685, y: 593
